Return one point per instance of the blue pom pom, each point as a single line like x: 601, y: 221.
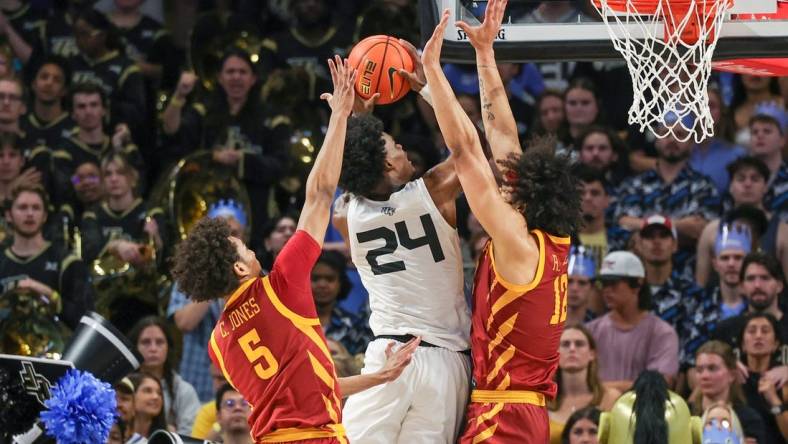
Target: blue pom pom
x: 81, y: 409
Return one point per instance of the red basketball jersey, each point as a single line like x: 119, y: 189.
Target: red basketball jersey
x: 270, y: 346
x: 516, y: 328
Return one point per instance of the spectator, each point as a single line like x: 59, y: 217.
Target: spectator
x: 148, y: 404
x: 578, y: 382
x: 330, y: 285
x: 12, y: 108
x: 673, y: 189
x: 196, y: 320
x: 582, y: 427
x: 46, y: 122
x: 153, y: 342
x: 101, y: 61
x: 749, y: 179
x: 87, y: 142
x: 629, y: 337
x: 205, y: 425
x: 87, y: 190
x: 762, y: 282
x: 12, y: 162
x: 716, y: 375
x: 229, y: 123
x: 550, y: 117
x: 721, y: 416
x: 760, y: 339
x: 769, y: 129
x: 601, y: 148
x: 677, y: 300
x: 312, y: 38
x: 732, y: 245
x: 756, y: 90
x: 59, y: 33
x: 582, y: 106
x: 49, y: 270
x: 581, y: 290
x: 711, y: 156
x: 22, y: 24
x: 232, y: 414
x: 144, y: 40
x: 275, y: 234
x: 596, y: 234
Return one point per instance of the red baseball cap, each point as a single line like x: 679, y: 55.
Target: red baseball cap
x: 659, y: 220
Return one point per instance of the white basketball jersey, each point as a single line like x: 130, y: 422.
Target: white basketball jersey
x: 409, y: 260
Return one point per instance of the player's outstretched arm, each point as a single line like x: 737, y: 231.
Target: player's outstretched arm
x: 396, y: 361
x: 499, y: 219
x: 322, y: 181
x: 499, y: 123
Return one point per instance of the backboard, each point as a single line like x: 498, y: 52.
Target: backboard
x: 573, y: 31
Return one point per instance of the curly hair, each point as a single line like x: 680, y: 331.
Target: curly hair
x: 544, y: 188
x: 203, y: 262
x: 365, y: 155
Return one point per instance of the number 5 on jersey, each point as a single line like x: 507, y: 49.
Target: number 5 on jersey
x: 559, y: 287
x: 265, y: 364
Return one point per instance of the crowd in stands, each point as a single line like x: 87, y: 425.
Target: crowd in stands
x: 679, y: 267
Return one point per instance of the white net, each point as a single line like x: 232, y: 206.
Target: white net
x: 668, y: 47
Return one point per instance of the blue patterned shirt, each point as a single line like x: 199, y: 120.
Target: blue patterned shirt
x: 689, y: 310
x: 350, y: 330
x: 195, y: 363
x: 776, y: 199
x: 690, y: 194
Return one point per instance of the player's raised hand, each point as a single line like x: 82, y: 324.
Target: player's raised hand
x: 431, y: 56
x: 396, y: 361
x: 415, y: 79
x: 483, y: 36
x: 343, y: 76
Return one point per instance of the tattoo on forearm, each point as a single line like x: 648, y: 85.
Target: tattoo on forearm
x: 486, y: 104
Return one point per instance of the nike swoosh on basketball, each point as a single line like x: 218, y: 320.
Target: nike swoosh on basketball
x: 392, y: 71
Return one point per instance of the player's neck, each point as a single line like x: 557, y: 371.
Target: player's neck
x: 28, y: 246
x: 658, y: 274
x: 47, y: 112
x: 575, y: 383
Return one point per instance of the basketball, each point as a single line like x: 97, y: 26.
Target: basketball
x: 377, y: 59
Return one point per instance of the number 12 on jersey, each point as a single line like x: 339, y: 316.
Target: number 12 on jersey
x: 559, y: 287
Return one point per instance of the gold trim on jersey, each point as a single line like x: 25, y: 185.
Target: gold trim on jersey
x: 503, y: 331
x: 509, y: 397
x: 238, y: 292
x: 559, y: 240
x: 307, y: 327
x: 220, y: 358
x: 11, y: 255
x: 520, y: 288
x: 294, y: 434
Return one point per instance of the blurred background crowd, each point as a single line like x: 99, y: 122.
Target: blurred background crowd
x: 122, y: 122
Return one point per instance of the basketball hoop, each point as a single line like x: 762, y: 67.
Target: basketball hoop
x: 668, y: 46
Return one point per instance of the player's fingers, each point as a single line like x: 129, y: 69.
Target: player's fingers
x: 374, y: 99
x: 325, y: 96
x: 333, y: 69
x: 389, y: 349
x: 466, y: 28
x: 414, y: 54
x: 500, y: 11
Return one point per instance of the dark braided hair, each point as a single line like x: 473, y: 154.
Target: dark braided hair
x: 203, y: 262
x: 544, y: 188
x: 364, y: 159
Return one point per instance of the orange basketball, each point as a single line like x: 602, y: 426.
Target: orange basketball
x: 377, y: 59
